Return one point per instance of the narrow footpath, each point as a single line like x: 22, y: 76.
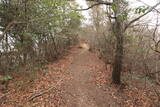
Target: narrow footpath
x: 81, y: 90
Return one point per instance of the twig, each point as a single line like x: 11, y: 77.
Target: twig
x: 39, y: 94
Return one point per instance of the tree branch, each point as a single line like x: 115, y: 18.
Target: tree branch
x: 98, y: 3
x: 40, y: 93
x: 134, y: 20
x: 148, y: 5
x: 156, y: 47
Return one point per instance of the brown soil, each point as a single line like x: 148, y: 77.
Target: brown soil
x: 81, y: 90
x: 74, y: 78
x: 79, y: 79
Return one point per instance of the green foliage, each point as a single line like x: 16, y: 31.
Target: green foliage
x: 123, y: 16
x: 34, y: 26
x: 141, y: 9
x: 114, y: 6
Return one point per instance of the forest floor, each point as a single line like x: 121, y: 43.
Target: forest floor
x: 79, y: 79
x: 81, y: 89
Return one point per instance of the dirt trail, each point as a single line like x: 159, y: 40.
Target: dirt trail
x: 79, y: 80
x: 81, y: 90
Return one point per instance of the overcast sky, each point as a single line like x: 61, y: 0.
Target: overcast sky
x: 133, y: 3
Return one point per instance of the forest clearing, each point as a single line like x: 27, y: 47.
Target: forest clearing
x: 79, y: 53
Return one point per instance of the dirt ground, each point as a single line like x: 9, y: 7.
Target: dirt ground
x: 81, y: 90
x: 79, y: 79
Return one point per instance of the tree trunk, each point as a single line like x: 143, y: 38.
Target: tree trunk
x: 117, y: 68
x: 118, y: 32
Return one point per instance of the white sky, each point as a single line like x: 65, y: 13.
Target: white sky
x: 133, y: 3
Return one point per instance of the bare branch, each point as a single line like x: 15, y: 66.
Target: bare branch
x: 98, y: 3
x: 156, y: 43
x: 134, y: 20
x: 148, y: 5
x: 155, y: 49
x: 40, y: 93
